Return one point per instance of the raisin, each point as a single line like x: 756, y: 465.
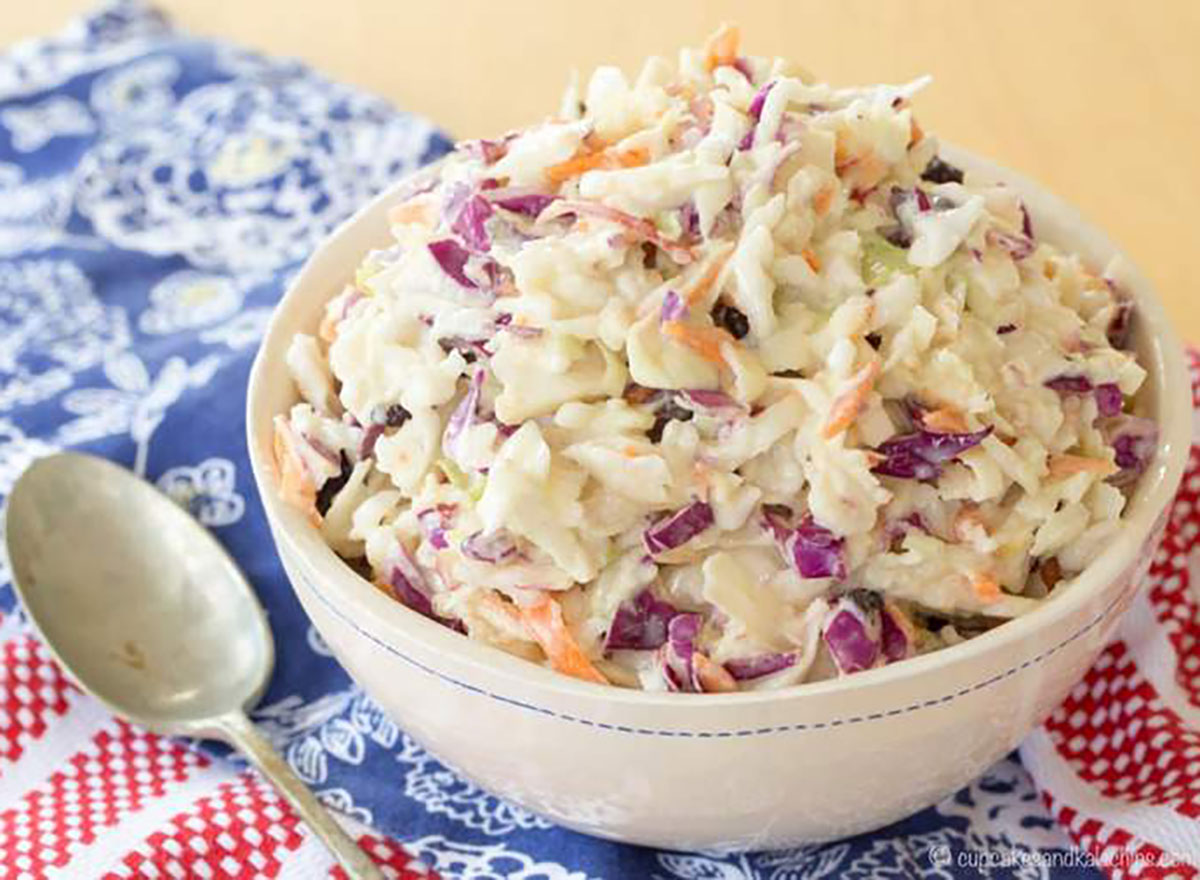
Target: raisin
x: 731, y: 319
x: 1051, y: 572
x: 897, y: 235
x: 396, y: 415
x: 333, y: 485
x: 874, y: 340
x: 635, y: 393
x: 940, y: 171
x: 788, y: 374
x: 868, y: 600
x: 668, y: 412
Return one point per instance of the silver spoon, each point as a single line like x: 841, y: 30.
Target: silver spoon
x: 146, y: 611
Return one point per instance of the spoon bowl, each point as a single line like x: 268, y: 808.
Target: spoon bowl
x: 144, y: 610
x: 168, y: 645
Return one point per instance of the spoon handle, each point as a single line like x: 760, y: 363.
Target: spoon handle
x: 237, y: 730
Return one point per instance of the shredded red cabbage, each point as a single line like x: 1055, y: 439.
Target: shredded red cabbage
x: 1134, y: 441
x: 452, y: 257
x: 1018, y: 246
x: 528, y: 205
x: 896, y: 529
x: 893, y: 638
x: 755, y: 113
x: 852, y: 633
x: 678, y: 528
x: 1026, y: 222
x: 746, y: 668
x: 1070, y: 384
x: 1109, y: 399
x: 409, y: 587
x: 462, y: 418
x: 321, y: 449
x: 371, y: 435
x: 759, y: 100
x: 471, y: 223
x: 496, y: 547
x: 813, y: 549
x: 640, y: 624
x: 689, y: 218
x: 678, y: 667
x: 708, y: 399
x: 816, y: 551
x: 921, y: 454
x: 673, y: 307
x: 504, y: 321
x: 524, y: 332
x: 435, y: 522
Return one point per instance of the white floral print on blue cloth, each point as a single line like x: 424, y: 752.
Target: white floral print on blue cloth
x: 156, y: 192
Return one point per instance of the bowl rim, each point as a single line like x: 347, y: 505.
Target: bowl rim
x: 1161, y: 355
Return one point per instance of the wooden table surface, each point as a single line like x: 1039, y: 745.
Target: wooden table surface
x: 1097, y: 99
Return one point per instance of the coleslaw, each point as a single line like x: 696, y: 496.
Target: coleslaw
x: 721, y: 379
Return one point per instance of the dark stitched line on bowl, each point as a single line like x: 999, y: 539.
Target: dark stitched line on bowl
x: 714, y: 734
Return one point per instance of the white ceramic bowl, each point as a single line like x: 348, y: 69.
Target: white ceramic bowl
x: 747, y: 770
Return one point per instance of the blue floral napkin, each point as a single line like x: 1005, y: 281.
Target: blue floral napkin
x: 156, y: 193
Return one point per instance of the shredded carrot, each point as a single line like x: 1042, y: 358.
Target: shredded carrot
x: 986, y: 588
x: 701, y: 474
x: 328, y: 328
x: 592, y: 159
x: 705, y: 341
x: 965, y: 521
x: 810, y: 257
x: 848, y: 405
x: 864, y: 172
x: 722, y: 49
x: 544, y: 621
x: 713, y: 677
x: 574, y: 166
x: 945, y: 420
x: 1049, y: 270
x: 1066, y: 465
x: 630, y: 451
x: 296, y: 486
x: 915, y: 134
x: 418, y: 212
x: 704, y: 283
x: 842, y: 157
x: 822, y: 200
